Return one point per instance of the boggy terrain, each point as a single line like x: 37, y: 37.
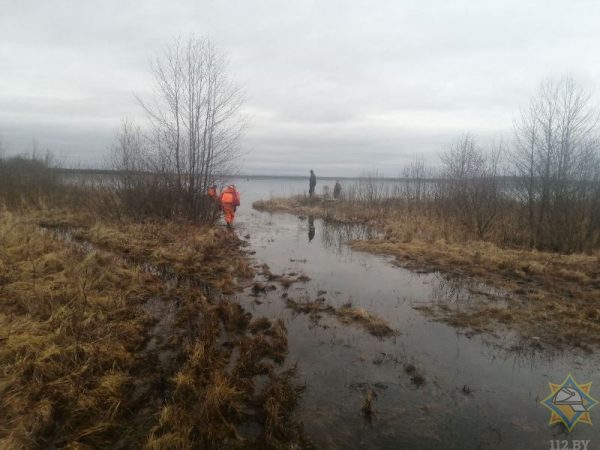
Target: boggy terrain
x: 544, y: 296
x: 120, y: 334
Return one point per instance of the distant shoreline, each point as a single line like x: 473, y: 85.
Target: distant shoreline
x: 61, y: 170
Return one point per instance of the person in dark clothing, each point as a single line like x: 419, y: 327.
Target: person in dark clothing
x: 312, y: 183
x: 337, y: 190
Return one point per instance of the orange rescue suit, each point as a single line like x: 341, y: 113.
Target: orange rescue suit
x: 230, y: 200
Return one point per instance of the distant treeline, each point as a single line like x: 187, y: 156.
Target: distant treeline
x: 117, y: 172
x: 432, y: 175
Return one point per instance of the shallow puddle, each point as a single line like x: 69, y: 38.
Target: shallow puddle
x: 432, y: 386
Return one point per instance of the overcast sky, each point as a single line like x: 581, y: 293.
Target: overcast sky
x: 343, y: 87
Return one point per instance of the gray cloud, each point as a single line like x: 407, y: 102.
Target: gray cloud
x: 344, y: 86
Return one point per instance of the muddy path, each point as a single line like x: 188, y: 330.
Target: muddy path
x: 162, y: 358
x: 198, y: 336
x: 428, y: 385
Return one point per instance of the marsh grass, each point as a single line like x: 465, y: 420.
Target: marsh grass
x: 70, y: 328
x: 74, y: 332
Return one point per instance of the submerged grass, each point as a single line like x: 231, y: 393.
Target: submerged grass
x: 368, y: 408
x: 346, y: 314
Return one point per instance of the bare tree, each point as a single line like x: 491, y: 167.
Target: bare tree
x: 551, y: 154
x: 589, y: 194
x: 193, y: 125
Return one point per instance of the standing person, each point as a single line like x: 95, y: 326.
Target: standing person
x: 312, y: 183
x: 337, y: 189
x: 230, y: 200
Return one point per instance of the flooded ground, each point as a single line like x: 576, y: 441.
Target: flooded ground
x: 433, y: 386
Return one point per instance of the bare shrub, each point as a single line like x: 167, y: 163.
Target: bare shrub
x: 471, y: 184
x: 189, y: 138
x: 27, y: 180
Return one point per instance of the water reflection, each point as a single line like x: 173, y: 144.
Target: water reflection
x: 449, y: 290
x: 335, y: 235
x: 332, y: 235
x: 446, y: 290
x: 311, y: 228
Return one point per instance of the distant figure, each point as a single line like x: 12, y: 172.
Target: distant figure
x: 230, y: 200
x: 312, y: 183
x: 311, y: 228
x: 337, y: 189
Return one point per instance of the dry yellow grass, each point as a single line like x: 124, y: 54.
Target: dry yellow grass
x: 70, y: 329
x: 335, y: 211
x: 78, y: 371
x: 296, y: 205
x: 205, y: 254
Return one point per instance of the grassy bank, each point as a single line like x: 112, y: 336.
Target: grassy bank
x: 70, y: 326
x: 551, y: 297
x: 121, y: 334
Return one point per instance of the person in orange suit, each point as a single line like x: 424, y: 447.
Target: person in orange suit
x: 230, y: 200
